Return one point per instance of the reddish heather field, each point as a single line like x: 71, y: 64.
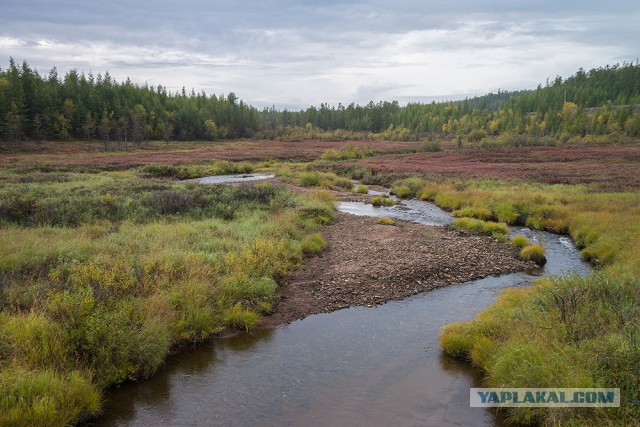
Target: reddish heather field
x: 177, y: 153
x: 611, y: 166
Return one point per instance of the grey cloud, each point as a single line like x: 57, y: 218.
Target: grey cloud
x: 289, y: 51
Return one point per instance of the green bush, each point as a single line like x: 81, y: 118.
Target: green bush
x: 309, y: 179
x: 349, y: 151
x: 430, y: 146
x: 343, y: 183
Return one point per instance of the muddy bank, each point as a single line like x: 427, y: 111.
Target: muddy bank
x: 366, y: 263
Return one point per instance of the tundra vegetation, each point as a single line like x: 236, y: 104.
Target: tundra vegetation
x: 562, y: 332
x: 103, y: 272
x: 107, y: 261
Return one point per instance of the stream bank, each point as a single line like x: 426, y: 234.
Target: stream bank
x: 366, y: 263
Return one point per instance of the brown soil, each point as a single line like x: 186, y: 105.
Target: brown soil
x: 366, y: 263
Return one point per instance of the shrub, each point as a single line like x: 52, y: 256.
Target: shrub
x: 360, y: 173
x: 349, y: 151
x: 476, y: 135
x: 430, y: 146
x: 309, y: 179
x: 44, y: 397
x: 166, y: 171
x: 324, y: 196
x: 534, y: 253
x: 362, y: 189
x: 385, y: 220
x: 520, y: 241
x: 344, y: 183
x: 382, y: 201
x: 170, y: 202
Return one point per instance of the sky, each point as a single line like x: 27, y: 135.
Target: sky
x: 293, y: 54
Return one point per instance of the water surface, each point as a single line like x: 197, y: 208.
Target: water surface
x: 358, y: 366
x: 226, y: 179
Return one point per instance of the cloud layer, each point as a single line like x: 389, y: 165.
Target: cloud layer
x: 293, y: 54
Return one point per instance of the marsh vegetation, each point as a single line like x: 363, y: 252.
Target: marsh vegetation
x: 102, y: 273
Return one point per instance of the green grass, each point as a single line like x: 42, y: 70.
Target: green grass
x: 484, y: 214
x: 216, y: 167
x: 310, y: 178
x: 520, y: 241
x: 313, y: 243
x: 362, y: 189
x: 535, y: 253
x: 494, y: 229
x: 102, y: 274
x: 46, y: 397
x: 408, y: 188
x: 562, y: 332
x: 382, y: 201
x: 385, y: 220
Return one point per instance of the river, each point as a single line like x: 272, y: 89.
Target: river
x: 357, y: 366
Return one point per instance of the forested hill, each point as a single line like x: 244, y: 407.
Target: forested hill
x: 85, y: 106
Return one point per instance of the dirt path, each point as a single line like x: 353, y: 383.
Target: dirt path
x: 366, y: 263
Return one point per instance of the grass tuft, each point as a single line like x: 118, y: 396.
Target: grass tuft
x: 534, y: 253
x: 382, y: 201
x: 362, y: 189
x: 494, y: 229
x: 385, y: 220
x: 313, y: 243
x: 520, y: 241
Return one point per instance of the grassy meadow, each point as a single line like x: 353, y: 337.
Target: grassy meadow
x: 108, y: 261
x: 103, y: 272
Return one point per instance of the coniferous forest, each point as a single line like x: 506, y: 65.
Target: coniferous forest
x: 76, y: 106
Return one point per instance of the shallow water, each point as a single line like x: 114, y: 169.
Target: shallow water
x: 409, y: 210
x: 358, y: 366
x: 226, y: 179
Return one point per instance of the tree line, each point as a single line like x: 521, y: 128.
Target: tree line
x: 84, y: 106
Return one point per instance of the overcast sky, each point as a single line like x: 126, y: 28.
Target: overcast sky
x: 299, y: 53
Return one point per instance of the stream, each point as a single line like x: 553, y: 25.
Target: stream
x: 357, y: 366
